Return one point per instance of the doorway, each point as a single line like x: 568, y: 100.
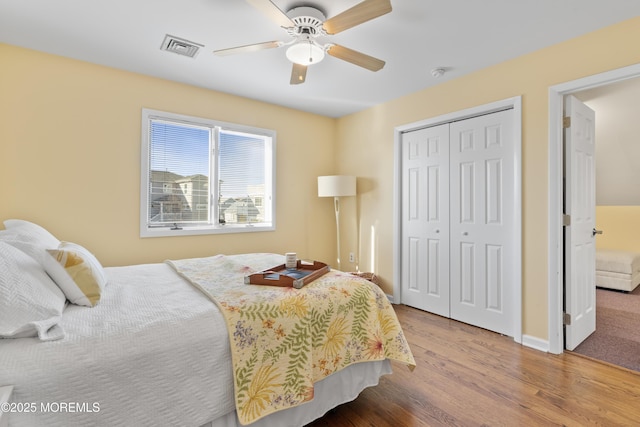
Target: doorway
x: 556, y: 159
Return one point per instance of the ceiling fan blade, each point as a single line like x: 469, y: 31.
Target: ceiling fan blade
x: 248, y: 48
x: 358, y: 14
x: 298, y: 74
x: 355, y: 57
x: 273, y: 12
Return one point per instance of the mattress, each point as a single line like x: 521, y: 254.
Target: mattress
x: 155, y: 351
x: 617, y: 269
x: 617, y: 261
x: 619, y: 281
x: 151, y: 346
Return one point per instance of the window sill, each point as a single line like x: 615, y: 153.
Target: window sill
x: 198, y: 231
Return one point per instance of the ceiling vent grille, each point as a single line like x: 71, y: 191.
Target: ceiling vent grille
x: 180, y: 46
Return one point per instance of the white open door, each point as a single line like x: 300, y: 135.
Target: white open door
x: 580, y: 285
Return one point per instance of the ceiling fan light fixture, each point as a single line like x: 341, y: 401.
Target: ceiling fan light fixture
x: 305, y: 52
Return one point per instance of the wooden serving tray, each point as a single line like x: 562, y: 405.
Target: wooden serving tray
x: 305, y: 272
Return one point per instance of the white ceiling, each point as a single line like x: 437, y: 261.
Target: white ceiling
x: 461, y: 36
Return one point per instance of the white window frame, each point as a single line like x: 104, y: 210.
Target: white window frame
x: 269, y: 201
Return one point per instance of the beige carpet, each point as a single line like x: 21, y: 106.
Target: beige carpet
x: 617, y: 336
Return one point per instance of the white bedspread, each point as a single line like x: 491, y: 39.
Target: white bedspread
x: 179, y: 374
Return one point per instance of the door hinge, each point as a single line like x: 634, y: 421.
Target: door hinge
x: 566, y: 319
x: 566, y: 122
x: 566, y: 220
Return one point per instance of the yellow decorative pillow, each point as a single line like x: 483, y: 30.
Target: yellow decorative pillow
x: 78, y: 274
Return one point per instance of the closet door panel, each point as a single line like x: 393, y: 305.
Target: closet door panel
x: 425, y: 219
x: 481, y: 225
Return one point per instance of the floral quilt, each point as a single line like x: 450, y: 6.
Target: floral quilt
x: 283, y: 340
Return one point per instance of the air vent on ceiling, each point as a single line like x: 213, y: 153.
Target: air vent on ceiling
x: 180, y: 46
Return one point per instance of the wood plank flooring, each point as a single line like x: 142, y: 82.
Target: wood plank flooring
x: 467, y: 376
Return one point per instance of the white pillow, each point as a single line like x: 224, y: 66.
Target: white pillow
x: 30, y: 302
x: 32, y: 232
x: 77, y: 272
x: 81, y: 282
x: 29, y: 238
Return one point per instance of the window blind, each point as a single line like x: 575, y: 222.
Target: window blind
x: 179, y: 173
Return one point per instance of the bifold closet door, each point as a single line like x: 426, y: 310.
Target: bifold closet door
x: 482, y: 221
x: 425, y: 219
x: 458, y: 220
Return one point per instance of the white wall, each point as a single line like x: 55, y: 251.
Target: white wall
x: 617, y: 142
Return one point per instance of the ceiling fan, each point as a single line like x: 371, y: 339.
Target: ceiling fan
x: 305, y: 25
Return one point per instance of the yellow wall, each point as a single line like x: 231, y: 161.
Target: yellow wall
x: 70, y: 156
x: 366, y: 147
x: 70, y: 159
x: 620, y: 227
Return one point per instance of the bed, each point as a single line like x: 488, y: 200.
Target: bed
x: 617, y: 269
x: 155, y: 350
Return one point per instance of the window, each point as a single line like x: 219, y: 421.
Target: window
x: 200, y: 176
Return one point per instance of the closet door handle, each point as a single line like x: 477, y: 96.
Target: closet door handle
x: 437, y: 231
x: 465, y: 233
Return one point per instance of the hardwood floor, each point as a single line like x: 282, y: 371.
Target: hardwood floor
x: 466, y: 376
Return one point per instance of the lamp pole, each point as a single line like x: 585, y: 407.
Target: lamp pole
x: 336, y: 205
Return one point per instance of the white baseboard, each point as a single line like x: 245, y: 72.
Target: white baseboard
x: 535, y: 343
x: 390, y: 298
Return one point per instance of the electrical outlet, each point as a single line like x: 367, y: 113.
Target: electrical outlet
x: 352, y: 257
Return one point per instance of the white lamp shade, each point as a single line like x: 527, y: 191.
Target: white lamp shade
x: 336, y: 186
